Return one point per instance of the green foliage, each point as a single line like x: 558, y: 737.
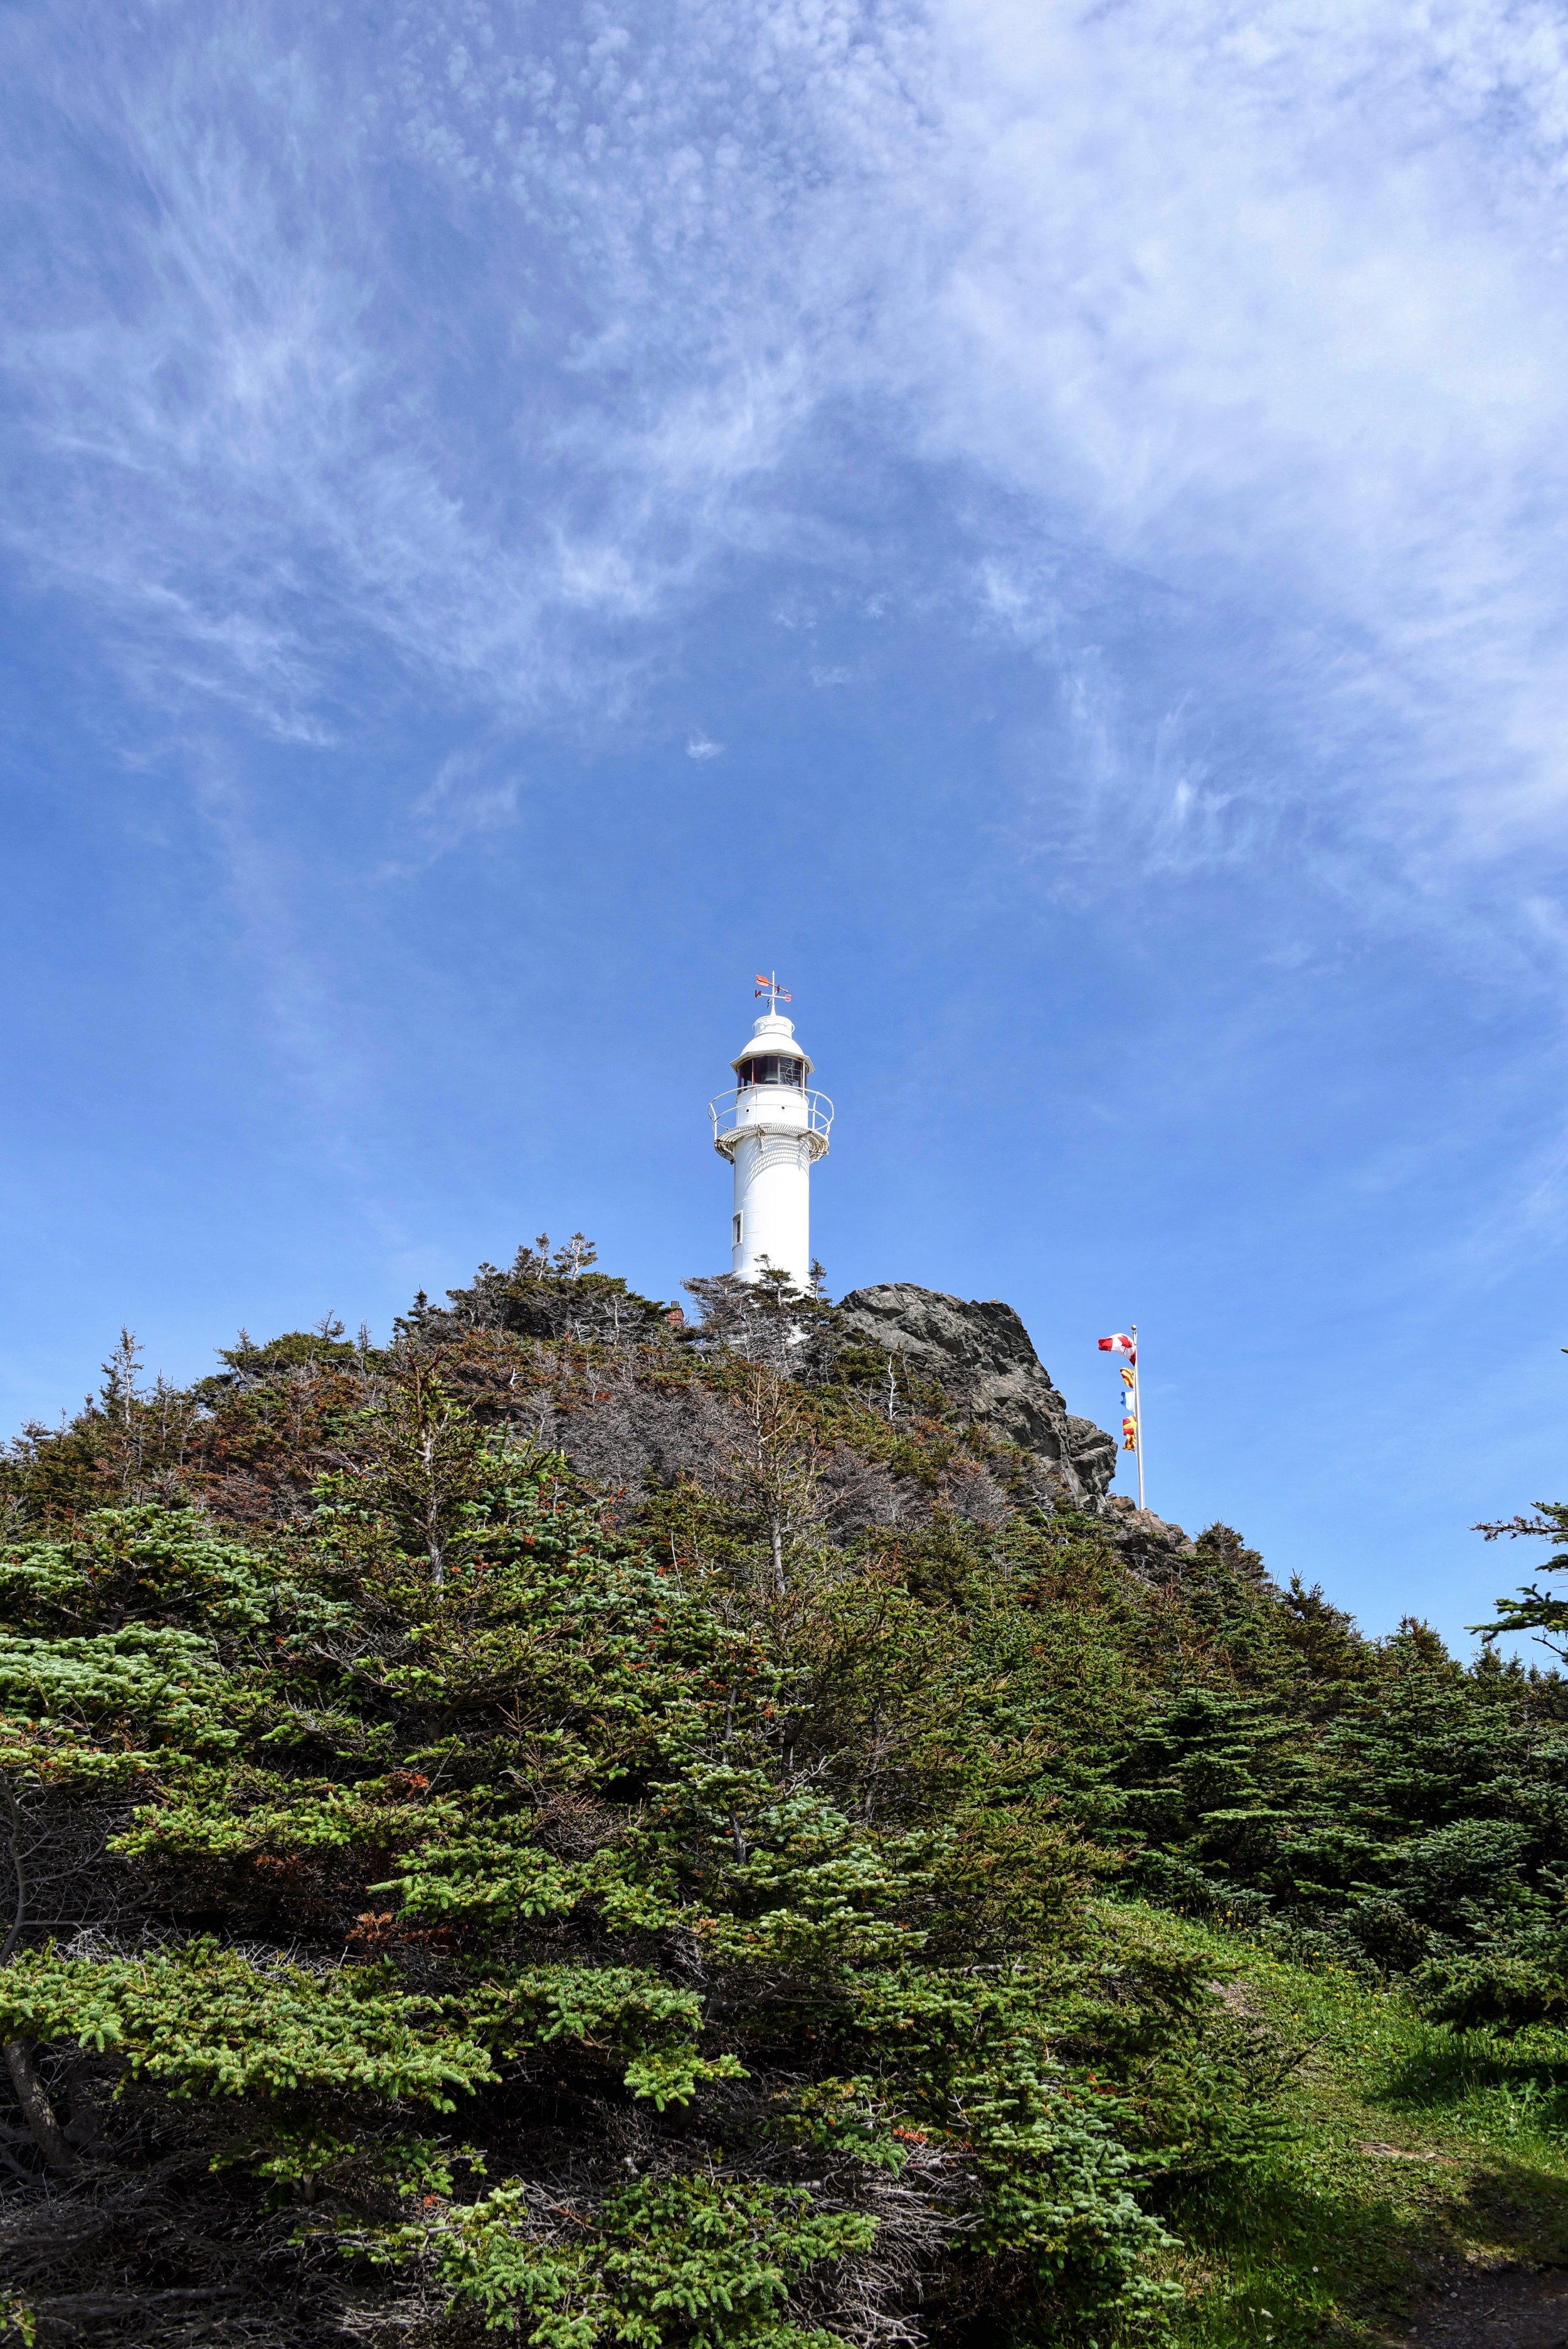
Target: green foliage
x: 702, y: 2260
x: 1533, y: 1608
x: 151, y: 1563
x: 210, y: 2022
x: 295, y: 1349
x: 737, y: 1889
x: 90, y: 1711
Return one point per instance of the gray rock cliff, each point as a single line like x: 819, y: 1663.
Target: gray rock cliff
x: 981, y: 1355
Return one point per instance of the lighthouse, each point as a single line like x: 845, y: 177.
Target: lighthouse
x: 772, y: 1130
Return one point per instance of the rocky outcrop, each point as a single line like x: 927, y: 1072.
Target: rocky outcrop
x: 980, y: 1356
x: 1092, y: 1451
x: 1154, y: 1547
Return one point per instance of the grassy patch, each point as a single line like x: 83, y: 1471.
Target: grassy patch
x: 1416, y: 2152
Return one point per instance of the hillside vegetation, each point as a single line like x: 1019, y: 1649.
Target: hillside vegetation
x: 630, y: 1830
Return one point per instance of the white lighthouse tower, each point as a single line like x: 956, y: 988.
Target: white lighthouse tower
x: 772, y: 1130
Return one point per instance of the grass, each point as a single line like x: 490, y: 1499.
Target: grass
x: 1333, y: 2237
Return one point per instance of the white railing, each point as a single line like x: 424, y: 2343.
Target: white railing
x: 728, y: 1124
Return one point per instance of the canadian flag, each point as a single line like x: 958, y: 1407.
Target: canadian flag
x: 1119, y: 1344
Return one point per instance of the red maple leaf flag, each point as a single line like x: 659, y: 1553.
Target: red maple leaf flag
x: 1121, y: 1343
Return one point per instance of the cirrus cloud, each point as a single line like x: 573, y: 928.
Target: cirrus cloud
x: 474, y: 356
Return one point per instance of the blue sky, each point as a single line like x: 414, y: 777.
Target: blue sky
x: 1046, y: 523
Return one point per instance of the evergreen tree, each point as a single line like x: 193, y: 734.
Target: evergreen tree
x: 443, y: 1892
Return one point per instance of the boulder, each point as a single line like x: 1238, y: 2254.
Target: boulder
x: 1153, y: 1546
x: 980, y: 1356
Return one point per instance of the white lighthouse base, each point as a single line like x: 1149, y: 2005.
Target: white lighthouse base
x: 772, y: 1224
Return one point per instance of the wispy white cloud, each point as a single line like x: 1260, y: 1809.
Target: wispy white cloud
x: 1270, y: 312
x: 487, y: 345
x: 306, y: 1028
x: 470, y: 791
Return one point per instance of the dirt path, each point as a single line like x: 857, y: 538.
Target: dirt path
x: 1496, y: 2311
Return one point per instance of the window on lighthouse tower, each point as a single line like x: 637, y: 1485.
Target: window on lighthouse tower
x: 773, y: 1069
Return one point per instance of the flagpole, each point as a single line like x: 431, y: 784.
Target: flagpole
x: 1138, y: 1410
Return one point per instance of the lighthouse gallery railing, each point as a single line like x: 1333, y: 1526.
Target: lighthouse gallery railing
x: 728, y: 1126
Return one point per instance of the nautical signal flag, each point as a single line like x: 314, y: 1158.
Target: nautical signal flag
x: 1125, y: 1342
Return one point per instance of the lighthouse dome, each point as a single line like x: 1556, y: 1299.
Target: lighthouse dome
x: 773, y: 1040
